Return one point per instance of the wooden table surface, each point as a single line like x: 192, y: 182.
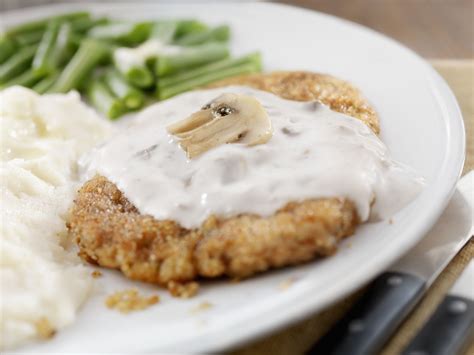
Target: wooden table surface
x: 433, y: 28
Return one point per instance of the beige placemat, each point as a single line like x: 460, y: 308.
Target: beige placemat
x: 297, y: 339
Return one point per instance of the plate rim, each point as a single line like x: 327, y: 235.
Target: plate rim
x: 297, y: 311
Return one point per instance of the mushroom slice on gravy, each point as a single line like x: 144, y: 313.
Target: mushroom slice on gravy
x: 230, y: 118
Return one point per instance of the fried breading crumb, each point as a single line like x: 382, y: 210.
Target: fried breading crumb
x: 44, y: 329
x: 96, y: 274
x: 287, y: 283
x: 130, y: 300
x: 201, y: 307
x: 390, y: 221
x: 183, y: 290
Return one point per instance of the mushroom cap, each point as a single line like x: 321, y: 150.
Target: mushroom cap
x: 229, y: 118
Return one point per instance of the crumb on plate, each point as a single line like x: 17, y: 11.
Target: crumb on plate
x: 285, y: 284
x: 201, y: 307
x: 183, y: 290
x: 130, y: 300
x: 96, y: 274
x: 44, y: 329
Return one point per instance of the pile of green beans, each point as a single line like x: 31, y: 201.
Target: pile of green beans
x: 76, y: 51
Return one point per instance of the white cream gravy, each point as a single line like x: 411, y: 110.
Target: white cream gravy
x: 314, y: 153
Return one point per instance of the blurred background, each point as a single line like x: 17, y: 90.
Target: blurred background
x: 433, y: 28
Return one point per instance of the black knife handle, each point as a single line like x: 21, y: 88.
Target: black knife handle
x: 448, y: 329
x: 369, y: 324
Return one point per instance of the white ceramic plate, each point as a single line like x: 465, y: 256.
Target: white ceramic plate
x: 421, y: 123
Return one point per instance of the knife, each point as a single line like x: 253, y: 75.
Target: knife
x: 393, y: 294
x: 450, y: 327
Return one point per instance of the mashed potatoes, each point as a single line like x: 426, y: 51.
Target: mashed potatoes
x: 41, y: 139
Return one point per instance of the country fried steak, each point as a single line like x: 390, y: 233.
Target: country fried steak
x: 111, y: 232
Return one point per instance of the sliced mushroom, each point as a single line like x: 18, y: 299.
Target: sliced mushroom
x: 230, y: 118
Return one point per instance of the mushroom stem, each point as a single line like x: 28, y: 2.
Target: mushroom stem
x: 230, y: 118
x: 194, y: 148
x: 194, y: 121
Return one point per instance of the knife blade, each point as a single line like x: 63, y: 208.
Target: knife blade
x: 393, y: 294
x: 450, y: 327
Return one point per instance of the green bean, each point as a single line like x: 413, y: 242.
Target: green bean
x: 130, y: 96
x: 136, y: 72
x: 164, y: 31
x: 17, y: 63
x: 172, y: 90
x: 7, y: 48
x: 140, y: 76
x: 27, y: 79
x: 186, y: 27
x: 122, y: 32
x: 220, y: 33
x: 76, y: 40
x: 29, y: 38
x: 139, y: 33
x: 190, y: 57
x: 100, y: 96
x: 62, y: 50
x: 82, y: 25
x: 41, y: 24
x: 90, y: 53
x: 43, y: 61
x: 254, y: 58
x: 46, y: 83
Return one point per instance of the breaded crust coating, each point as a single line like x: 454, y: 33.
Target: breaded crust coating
x: 111, y: 232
